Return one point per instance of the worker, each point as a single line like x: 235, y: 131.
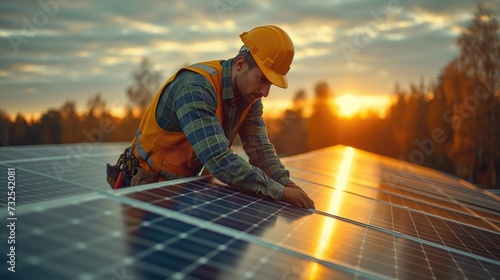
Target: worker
x: 198, y: 112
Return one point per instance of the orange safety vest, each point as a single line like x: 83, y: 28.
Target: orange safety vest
x: 161, y: 150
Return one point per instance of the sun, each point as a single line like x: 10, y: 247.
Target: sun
x: 349, y: 105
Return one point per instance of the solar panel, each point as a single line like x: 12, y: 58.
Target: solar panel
x: 376, y: 218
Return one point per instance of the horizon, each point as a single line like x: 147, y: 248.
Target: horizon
x: 366, y: 106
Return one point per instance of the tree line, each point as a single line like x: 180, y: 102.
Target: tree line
x: 449, y: 123
x: 66, y: 125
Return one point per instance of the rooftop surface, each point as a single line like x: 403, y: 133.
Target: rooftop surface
x: 376, y: 218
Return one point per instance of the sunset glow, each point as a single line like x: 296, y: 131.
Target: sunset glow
x: 345, y: 106
x: 350, y: 105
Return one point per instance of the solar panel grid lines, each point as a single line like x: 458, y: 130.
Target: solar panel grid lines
x: 418, y: 231
x: 394, y: 186
x: 400, y: 169
x: 216, y: 226
x: 456, y: 217
x: 277, y: 241
x: 54, y: 176
x: 47, y: 188
x: 252, y: 227
x: 494, y: 194
x: 23, y: 157
x: 475, y: 217
x: 491, y: 217
x: 396, y: 200
x: 423, y: 199
x: 457, y: 194
x: 453, y: 216
x: 448, y: 210
x: 429, y: 228
x: 84, y: 244
x: 365, y: 226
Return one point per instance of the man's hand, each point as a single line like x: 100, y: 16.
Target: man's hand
x: 292, y: 185
x: 297, y: 197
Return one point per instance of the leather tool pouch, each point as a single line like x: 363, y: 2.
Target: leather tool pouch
x: 120, y: 175
x: 143, y: 177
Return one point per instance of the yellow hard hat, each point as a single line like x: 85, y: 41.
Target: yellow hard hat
x: 273, y: 51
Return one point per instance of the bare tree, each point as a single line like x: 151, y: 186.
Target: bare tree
x: 70, y: 122
x: 146, y: 84
x: 96, y: 105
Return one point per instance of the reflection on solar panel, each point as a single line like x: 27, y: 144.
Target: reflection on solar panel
x: 376, y: 218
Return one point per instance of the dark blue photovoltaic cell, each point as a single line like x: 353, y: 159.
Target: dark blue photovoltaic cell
x: 375, y: 218
x: 101, y: 238
x: 31, y: 187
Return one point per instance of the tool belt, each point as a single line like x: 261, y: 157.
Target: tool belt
x: 120, y: 175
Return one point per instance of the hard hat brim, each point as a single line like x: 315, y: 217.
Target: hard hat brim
x: 276, y: 79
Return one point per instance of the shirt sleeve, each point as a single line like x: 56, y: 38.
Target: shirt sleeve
x: 261, y: 152
x: 195, y: 105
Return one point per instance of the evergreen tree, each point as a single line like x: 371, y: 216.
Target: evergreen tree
x: 4, y: 129
x: 471, y: 85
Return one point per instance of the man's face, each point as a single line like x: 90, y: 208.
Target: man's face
x: 251, y: 84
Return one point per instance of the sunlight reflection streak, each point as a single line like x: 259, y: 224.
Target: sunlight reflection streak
x: 328, y: 230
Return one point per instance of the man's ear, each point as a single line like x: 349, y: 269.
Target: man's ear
x: 240, y: 62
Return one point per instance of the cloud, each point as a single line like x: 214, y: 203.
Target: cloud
x: 82, y: 47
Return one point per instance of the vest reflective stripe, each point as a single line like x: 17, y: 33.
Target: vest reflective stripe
x: 140, y: 150
x: 210, y: 70
x: 158, y: 149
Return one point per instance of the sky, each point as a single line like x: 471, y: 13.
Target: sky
x: 52, y: 51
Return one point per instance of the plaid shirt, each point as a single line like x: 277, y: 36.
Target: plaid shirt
x: 189, y: 105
